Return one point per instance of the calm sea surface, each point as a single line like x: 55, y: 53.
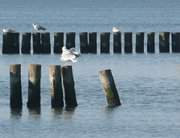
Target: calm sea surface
x: 148, y: 84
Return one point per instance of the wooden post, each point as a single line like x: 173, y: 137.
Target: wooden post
x: 15, y: 86
x: 56, y: 86
x: 128, y: 42
x: 140, y: 42
x: 70, y: 40
x: 164, y: 42
x: 105, y: 42
x: 26, y: 43
x: 45, y: 43
x: 10, y: 43
x: 68, y: 84
x: 58, y: 42
x: 84, y: 42
x: 176, y: 42
x: 151, y: 42
x: 36, y: 43
x: 109, y: 88
x: 92, y: 42
x: 34, y: 76
x: 117, y: 42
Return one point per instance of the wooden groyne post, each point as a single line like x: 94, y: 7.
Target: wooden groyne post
x: 175, y: 42
x: 26, y: 43
x: 83, y: 36
x: 164, y: 42
x: 45, y: 43
x: 15, y: 86
x: 140, y: 42
x: 117, y: 42
x: 70, y: 39
x: 92, y: 42
x: 109, y: 88
x: 151, y: 42
x: 34, y: 84
x: 128, y: 42
x: 36, y: 38
x: 69, y: 88
x: 58, y: 42
x: 105, y: 42
x: 10, y: 43
x: 56, y: 86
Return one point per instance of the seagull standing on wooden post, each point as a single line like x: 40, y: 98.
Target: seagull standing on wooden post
x: 37, y: 27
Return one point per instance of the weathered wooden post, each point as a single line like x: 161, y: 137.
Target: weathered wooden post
x: 92, y: 42
x: 26, y: 43
x: 15, y: 87
x: 151, y: 42
x: 128, y: 42
x: 58, y: 42
x: 68, y: 84
x: 140, y: 42
x: 36, y: 43
x: 109, y: 88
x: 164, y: 42
x: 84, y: 42
x: 56, y: 86
x: 10, y: 43
x: 176, y: 42
x: 105, y: 42
x: 34, y: 76
x: 70, y: 39
x: 45, y: 43
x: 117, y: 42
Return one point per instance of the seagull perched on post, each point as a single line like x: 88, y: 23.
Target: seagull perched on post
x: 115, y: 30
x: 37, y: 27
x: 8, y: 30
x: 69, y: 54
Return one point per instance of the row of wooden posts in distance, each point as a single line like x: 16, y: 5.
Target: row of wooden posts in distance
x: 62, y: 87
x: 41, y: 42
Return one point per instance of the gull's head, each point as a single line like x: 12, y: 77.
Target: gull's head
x: 34, y: 24
x: 63, y: 48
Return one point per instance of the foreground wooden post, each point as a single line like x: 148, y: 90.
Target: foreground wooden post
x: 56, y: 86
x: 151, y: 42
x: 45, y: 43
x: 140, y: 42
x: 68, y: 83
x: 92, y: 42
x: 15, y: 86
x: 36, y: 43
x: 109, y: 88
x: 10, y: 43
x: 105, y: 42
x: 84, y: 42
x: 58, y: 42
x: 128, y: 42
x: 164, y: 42
x: 176, y: 42
x: 117, y: 42
x: 26, y: 43
x: 34, y: 76
x: 70, y: 39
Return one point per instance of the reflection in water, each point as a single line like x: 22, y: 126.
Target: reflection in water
x: 16, y: 113
x: 34, y: 111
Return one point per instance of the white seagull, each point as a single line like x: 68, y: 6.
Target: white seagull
x: 8, y: 30
x: 37, y: 27
x: 69, y: 54
x: 115, y: 30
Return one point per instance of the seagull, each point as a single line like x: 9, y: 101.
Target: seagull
x: 8, y: 30
x: 69, y: 54
x: 37, y: 27
x: 115, y: 30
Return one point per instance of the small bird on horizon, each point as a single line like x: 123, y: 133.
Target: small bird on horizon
x: 37, y: 27
x: 69, y: 54
x: 115, y: 30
